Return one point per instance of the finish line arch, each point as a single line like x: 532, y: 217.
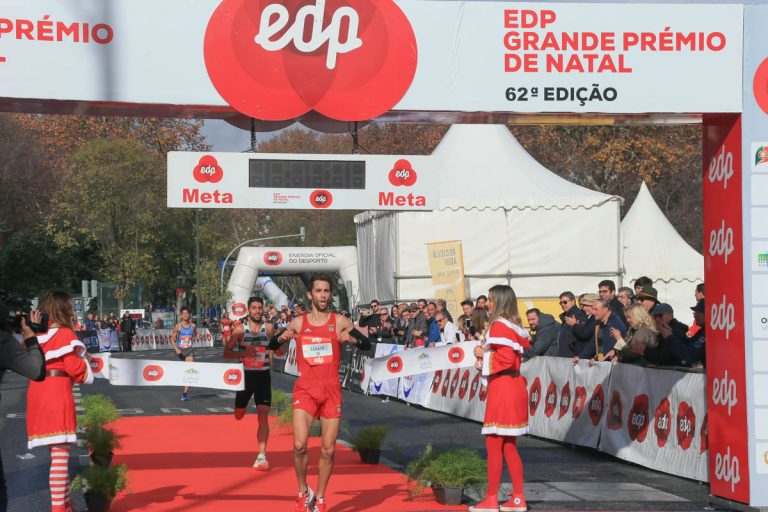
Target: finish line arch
x: 253, y: 260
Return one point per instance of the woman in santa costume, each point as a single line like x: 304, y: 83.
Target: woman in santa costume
x: 50, y: 405
x: 506, y: 408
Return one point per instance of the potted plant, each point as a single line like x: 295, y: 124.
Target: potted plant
x: 280, y: 401
x: 102, y: 443
x: 98, y: 411
x: 100, y: 485
x: 101, y: 440
x: 448, y: 473
x: 367, y: 441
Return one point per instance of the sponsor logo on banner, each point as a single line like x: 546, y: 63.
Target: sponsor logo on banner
x: 579, y: 401
x: 455, y: 382
x: 721, y: 168
x: 722, y: 317
x: 446, y: 383
x: 721, y: 241
x: 273, y: 258
x: 483, y: 393
x: 233, y: 377
x: 637, y: 421
x: 728, y: 468
x: 534, y: 396
x: 704, y: 434
x: 550, y: 401
x: 191, y: 376
x: 456, y: 355
x: 436, y: 380
x: 320, y: 199
x: 114, y: 373
x: 402, y: 174
x: 395, y: 364
x: 97, y: 364
x: 760, y: 86
x: 424, y: 361
x: 565, y: 400
x: 596, y: 404
x: 686, y: 425
x: 761, y: 156
x: 464, y: 385
x: 153, y: 373
x: 474, y: 386
x: 208, y: 170
x: 662, y: 422
x: 238, y: 310
x: 762, y: 260
x: 279, y: 60
x: 613, y: 419
x: 724, y: 392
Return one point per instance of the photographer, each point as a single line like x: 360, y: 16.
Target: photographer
x: 25, y: 359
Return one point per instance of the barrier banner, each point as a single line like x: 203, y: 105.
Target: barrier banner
x: 446, y: 264
x: 421, y: 360
x: 658, y: 419
x: 355, y: 366
x: 566, y: 402
x: 147, y: 372
x: 107, y: 340
x: 100, y: 365
x: 385, y: 387
x: 458, y: 391
x: 415, y: 389
x: 154, y: 339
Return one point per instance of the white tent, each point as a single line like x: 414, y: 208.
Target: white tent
x: 653, y: 248
x: 518, y: 222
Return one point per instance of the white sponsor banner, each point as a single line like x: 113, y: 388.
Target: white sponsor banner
x: 154, y: 339
x: 566, y: 401
x: 642, y: 58
x: 296, y: 181
x: 458, y: 391
x: 388, y: 387
x: 415, y: 389
x: 420, y: 360
x: 108, y: 340
x: 100, y: 365
x: 147, y: 372
x: 658, y: 419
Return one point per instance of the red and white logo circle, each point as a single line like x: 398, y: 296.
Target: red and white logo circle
x: 153, y: 373
x: 276, y: 60
x: 273, y: 258
x: 320, y: 199
x: 550, y: 401
x: 436, y: 380
x: 686, y: 425
x: 233, y: 377
x: 565, y: 400
x: 597, y: 404
x: 474, y: 386
x: 760, y: 86
x: 455, y: 382
x: 238, y: 309
x: 662, y: 423
x: 446, y: 383
x: 615, y: 408
x: 579, y: 401
x: 637, y: 422
x: 208, y: 170
x: 402, y: 174
x: 464, y: 385
x: 395, y: 364
x: 456, y: 355
x: 97, y: 364
x: 534, y: 396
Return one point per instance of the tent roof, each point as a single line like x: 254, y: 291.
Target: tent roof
x: 486, y: 168
x: 652, y: 246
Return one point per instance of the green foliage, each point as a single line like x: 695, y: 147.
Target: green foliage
x: 102, y: 441
x: 457, y: 468
x: 370, y: 438
x: 280, y: 399
x: 99, y: 411
x: 286, y: 418
x: 107, y: 481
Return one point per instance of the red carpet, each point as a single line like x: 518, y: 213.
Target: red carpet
x: 203, y: 463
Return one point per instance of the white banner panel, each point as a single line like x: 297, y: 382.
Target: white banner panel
x: 658, y: 419
x: 388, y: 387
x: 147, y: 372
x: 420, y: 360
x: 100, y: 365
x: 566, y: 402
x: 471, y: 57
x: 296, y: 181
x: 458, y: 391
x: 415, y: 389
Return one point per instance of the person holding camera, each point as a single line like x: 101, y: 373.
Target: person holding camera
x: 50, y: 405
x: 25, y: 359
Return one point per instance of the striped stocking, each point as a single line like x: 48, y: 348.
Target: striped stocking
x: 59, y: 478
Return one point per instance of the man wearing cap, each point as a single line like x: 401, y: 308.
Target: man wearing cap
x: 692, y: 351
x: 664, y: 316
x: 408, y: 336
x: 648, y: 297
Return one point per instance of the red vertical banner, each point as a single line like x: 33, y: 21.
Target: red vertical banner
x: 724, y: 278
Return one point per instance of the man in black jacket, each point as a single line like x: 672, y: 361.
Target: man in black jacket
x: 545, y: 332
x: 607, y: 291
x: 569, y: 344
x: 127, y: 330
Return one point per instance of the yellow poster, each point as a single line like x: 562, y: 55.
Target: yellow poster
x: 446, y: 263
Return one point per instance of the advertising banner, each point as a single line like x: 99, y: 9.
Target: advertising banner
x: 658, y: 419
x: 295, y: 181
x: 146, y: 372
x: 458, y: 391
x: 415, y: 389
x: 446, y: 264
x: 89, y: 339
x: 566, y: 402
x: 108, y: 340
x: 154, y: 339
x: 725, y: 314
x: 386, y: 387
x: 437, y: 56
x: 100, y: 365
x: 421, y: 360
x: 353, y: 366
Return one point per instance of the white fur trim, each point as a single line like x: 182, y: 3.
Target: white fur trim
x: 504, y: 342
x: 519, y: 330
x: 74, y: 346
x: 89, y: 376
x: 45, y: 441
x: 42, y: 339
x: 505, y: 431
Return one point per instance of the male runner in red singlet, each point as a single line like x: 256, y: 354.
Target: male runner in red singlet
x: 317, y: 392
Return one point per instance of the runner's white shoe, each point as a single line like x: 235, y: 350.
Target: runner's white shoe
x: 261, y: 463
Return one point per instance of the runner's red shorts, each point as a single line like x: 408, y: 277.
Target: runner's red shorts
x: 319, y: 398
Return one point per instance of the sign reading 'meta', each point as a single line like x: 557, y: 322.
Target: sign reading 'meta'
x: 295, y: 181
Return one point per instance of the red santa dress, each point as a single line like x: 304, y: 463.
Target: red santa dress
x: 50, y: 404
x: 506, y: 408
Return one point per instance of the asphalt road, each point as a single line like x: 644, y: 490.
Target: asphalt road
x: 558, y: 477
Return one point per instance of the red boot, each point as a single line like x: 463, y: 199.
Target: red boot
x: 489, y: 504
x: 516, y: 503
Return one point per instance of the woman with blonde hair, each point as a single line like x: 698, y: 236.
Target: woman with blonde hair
x: 50, y: 404
x: 640, y: 335
x: 506, y: 409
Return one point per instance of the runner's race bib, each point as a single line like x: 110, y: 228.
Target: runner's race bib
x: 317, y: 350
x: 185, y: 341
x: 257, y: 360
